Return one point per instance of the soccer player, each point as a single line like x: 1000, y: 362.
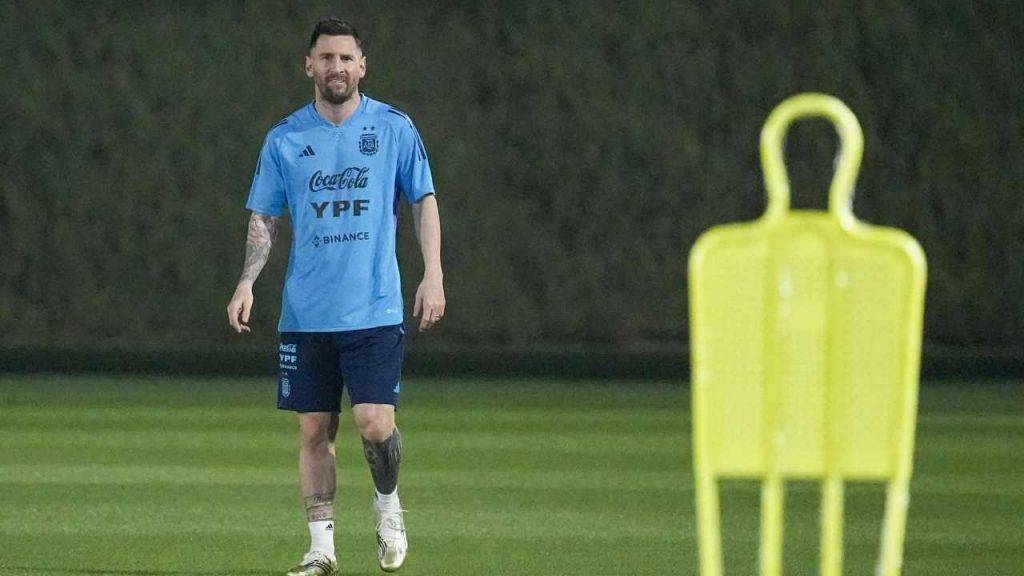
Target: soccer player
x: 340, y: 166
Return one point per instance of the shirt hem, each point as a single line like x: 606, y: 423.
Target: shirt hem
x: 416, y: 198
x: 393, y: 321
x: 267, y: 211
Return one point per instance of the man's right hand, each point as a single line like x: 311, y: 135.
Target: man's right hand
x: 239, y: 307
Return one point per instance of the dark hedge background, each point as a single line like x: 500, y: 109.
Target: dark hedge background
x: 578, y: 148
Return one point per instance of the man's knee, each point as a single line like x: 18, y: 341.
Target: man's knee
x: 377, y: 431
x: 376, y: 422
x: 318, y: 429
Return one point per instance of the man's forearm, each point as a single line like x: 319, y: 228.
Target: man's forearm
x: 428, y: 232
x: 261, y: 235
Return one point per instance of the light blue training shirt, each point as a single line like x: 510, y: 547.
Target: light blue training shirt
x: 341, y: 186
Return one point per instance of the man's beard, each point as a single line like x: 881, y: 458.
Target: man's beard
x: 337, y: 96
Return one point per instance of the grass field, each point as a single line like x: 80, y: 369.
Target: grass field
x: 164, y: 476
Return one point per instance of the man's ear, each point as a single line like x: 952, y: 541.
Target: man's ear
x: 309, y: 66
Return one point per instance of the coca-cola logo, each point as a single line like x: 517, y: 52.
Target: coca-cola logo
x: 351, y: 178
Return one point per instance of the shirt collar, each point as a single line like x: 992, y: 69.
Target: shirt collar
x: 363, y: 99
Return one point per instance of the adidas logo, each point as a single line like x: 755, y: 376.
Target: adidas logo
x: 330, y: 527
x: 308, y: 151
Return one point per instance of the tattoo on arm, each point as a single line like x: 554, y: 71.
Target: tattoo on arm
x: 262, y: 232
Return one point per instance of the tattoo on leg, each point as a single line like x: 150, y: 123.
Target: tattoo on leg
x: 384, y: 458
x: 319, y: 507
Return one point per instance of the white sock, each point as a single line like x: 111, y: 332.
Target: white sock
x: 321, y: 537
x: 388, y: 500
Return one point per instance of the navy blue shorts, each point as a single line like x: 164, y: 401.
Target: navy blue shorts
x: 316, y: 365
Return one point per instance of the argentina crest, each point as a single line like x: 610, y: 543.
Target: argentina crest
x: 368, y: 143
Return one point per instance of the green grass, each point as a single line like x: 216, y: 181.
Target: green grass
x: 165, y: 476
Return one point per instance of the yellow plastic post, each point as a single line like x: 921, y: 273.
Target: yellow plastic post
x: 805, y: 332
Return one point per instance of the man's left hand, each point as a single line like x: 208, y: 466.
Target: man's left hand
x: 429, y: 301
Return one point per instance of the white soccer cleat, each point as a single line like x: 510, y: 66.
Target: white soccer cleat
x: 315, y: 563
x: 391, y: 541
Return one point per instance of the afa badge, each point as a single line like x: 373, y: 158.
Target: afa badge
x: 368, y: 143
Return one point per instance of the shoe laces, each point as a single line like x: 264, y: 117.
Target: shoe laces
x: 391, y: 523
x: 316, y: 558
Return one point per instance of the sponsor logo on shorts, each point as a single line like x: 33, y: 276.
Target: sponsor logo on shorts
x: 290, y: 348
x: 398, y: 387
x: 287, y: 358
x: 286, y: 387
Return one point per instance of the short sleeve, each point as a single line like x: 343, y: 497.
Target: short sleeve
x: 267, y: 195
x: 414, y: 177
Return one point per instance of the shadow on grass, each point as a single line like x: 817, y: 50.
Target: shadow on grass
x: 129, y: 572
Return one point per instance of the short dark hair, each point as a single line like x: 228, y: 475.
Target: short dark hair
x: 334, y: 27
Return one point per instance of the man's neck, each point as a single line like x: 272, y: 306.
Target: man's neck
x: 337, y: 113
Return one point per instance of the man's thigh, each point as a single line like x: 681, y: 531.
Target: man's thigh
x: 371, y: 363
x: 311, y: 378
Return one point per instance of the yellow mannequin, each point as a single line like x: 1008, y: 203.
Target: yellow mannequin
x: 805, y: 332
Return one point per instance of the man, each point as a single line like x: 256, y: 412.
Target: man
x: 340, y: 165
